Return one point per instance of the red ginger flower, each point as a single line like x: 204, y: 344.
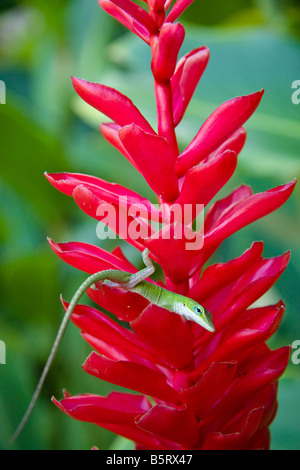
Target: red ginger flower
x: 210, y: 391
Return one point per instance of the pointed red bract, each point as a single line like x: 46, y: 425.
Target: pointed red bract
x: 111, y: 102
x: 220, y: 126
x: 127, y: 374
x: 243, y: 213
x: 153, y: 157
x: 89, y: 258
x: 137, y: 23
x: 178, y: 9
x: 204, y: 181
x: 188, y: 72
x: 235, y: 143
x: 166, y: 51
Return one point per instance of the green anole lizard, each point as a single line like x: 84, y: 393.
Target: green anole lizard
x: 176, y: 303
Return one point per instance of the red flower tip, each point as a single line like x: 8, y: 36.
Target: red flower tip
x: 179, y: 7
x: 52, y: 178
x: 110, y: 102
x: 165, y: 53
x: 219, y: 127
x: 132, y: 16
x: 64, y: 303
x: 62, y: 181
x: 66, y: 393
x: 56, y: 402
x: 188, y: 72
x: 90, y: 258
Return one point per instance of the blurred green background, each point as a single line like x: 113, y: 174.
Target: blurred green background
x: 43, y: 126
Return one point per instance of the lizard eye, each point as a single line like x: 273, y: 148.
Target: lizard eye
x: 198, y: 310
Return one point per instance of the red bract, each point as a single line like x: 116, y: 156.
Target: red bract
x: 209, y: 391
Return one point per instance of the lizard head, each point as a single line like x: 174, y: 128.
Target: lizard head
x: 193, y: 311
